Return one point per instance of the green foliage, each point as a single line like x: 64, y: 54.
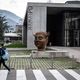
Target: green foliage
x: 16, y: 45
x: 3, y: 26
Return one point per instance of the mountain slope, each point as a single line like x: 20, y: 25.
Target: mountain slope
x: 10, y: 15
x: 12, y: 19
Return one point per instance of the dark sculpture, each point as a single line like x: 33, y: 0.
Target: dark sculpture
x: 41, y: 40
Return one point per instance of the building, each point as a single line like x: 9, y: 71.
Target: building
x: 61, y: 20
x: 19, y: 29
x: 11, y: 37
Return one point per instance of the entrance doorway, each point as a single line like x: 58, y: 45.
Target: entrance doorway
x: 63, y: 24
x: 72, y: 28
x: 55, y: 27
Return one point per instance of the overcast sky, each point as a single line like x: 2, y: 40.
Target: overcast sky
x: 19, y: 6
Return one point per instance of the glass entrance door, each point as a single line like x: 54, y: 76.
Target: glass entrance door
x: 72, y: 29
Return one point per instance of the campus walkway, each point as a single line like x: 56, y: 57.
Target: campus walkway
x: 43, y: 74
x: 67, y: 74
x: 44, y: 63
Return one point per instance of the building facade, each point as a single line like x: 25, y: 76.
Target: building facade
x: 61, y: 20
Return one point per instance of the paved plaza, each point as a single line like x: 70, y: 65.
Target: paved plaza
x: 63, y: 68
x: 23, y: 62
x: 42, y: 63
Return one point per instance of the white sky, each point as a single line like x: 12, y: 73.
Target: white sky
x: 19, y: 6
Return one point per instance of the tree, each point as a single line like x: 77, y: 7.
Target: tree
x: 3, y: 26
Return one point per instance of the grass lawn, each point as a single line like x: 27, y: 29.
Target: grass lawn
x: 16, y: 45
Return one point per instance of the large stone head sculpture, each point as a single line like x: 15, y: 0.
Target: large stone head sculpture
x: 41, y: 40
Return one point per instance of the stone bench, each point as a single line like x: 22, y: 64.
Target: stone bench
x: 49, y: 53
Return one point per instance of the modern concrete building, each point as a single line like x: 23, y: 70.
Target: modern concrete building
x: 61, y: 20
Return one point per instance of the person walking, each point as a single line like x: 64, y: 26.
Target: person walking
x: 2, y: 61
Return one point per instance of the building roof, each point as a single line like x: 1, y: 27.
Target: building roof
x: 72, y: 2
x: 11, y: 35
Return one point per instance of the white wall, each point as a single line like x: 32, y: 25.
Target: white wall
x: 38, y: 23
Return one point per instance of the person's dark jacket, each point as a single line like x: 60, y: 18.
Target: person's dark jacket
x: 2, y: 52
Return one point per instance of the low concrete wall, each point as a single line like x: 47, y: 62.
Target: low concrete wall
x: 49, y: 53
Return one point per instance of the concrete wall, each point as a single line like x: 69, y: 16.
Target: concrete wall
x: 24, y: 35
x: 36, y: 23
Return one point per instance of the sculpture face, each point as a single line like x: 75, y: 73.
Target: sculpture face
x: 41, y: 40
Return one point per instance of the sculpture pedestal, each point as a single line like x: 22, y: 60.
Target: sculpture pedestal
x: 40, y: 54
x: 49, y: 53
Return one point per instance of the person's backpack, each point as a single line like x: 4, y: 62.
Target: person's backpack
x: 6, y: 55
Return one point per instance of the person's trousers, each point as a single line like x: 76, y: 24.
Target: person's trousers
x: 3, y: 62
